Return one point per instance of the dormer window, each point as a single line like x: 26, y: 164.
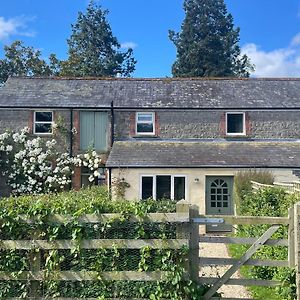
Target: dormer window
x: 235, y: 123
x: 145, y: 123
x: 43, y: 121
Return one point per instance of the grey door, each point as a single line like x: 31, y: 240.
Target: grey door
x: 219, y: 200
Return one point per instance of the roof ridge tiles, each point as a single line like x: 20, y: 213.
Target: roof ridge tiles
x: 160, y: 78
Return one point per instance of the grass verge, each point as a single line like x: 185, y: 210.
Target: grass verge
x: 257, y: 292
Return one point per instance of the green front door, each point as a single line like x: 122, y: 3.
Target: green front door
x: 219, y: 199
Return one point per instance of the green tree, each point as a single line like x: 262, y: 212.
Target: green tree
x: 94, y: 50
x: 208, y: 43
x: 22, y: 60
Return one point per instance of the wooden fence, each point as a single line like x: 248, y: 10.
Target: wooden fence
x: 187, y: 220
x: 36, y: 273
x: 291, y: 187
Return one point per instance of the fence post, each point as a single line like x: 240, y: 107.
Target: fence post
x: 291, y: 238
x: 34, y: 266
x: 297, y: 246
x: 190, y: 231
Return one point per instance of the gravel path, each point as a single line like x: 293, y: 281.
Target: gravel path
x: 220, y: 250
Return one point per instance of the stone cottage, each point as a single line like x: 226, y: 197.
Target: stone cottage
x: 166, y: 138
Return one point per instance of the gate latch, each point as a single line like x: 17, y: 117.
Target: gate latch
x: 208, y: 220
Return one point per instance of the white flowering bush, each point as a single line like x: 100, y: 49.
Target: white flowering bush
x: 91, y: 160
x: 34, y: 166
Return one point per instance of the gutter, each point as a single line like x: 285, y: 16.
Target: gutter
x: 201, y: 166
x: 152, y: 108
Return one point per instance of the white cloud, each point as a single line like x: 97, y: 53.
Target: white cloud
x: 14, y: 26
x: 284, y: 62
x: 296, y: 40
x: 127, y: 45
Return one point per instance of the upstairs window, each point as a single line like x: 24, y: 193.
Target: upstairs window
x: 163, y: 187
x: 235, y: 123
x: 43, y: 121
x: 93, y: 130
x: 145, y: 123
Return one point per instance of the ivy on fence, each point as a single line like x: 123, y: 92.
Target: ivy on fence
x: 91, y: 257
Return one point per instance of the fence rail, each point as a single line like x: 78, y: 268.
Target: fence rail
x: 187, y: 234
x: 93, y: 244
x: 291, y: 187
x: 177, y: 217
x: 35, y: 245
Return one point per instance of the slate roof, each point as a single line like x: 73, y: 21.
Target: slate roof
x: 132, y: 154
x: 151, y: 93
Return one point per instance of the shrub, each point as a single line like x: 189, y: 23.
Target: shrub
x: 35, y: 166
x: 269, y: 202
x: 242, y: 181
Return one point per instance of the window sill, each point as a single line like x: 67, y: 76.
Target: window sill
x: 151, y: 136
x: 99, y: 152
x: 237, y: 137
x: 43, y: 134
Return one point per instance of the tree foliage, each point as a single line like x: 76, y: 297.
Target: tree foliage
x: 207, y: 45
x: 21, y: 60
x: 94, y: 50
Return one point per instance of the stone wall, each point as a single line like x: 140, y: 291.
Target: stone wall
x: 14, y: 119
x: 210, y: 124
x: 279, y: 124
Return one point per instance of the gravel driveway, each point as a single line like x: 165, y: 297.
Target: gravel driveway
x: 220, y: 250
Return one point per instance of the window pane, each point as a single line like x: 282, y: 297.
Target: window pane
x: 144, y: 128
x: 147, y: 187
x: 235, y: 123
x: 45, y: 116
x: 43, y: 128
x: 145, y: 117
x: 179, y: 188
x: 85, y: 181
x: 163, y: 187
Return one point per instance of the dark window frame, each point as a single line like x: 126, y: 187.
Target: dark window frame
x: 86, y: 173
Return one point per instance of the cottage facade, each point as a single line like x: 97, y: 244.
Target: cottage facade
x: 174, y: 138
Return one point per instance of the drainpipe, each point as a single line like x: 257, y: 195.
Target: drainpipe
x: 71, y: 133
x: 109, y: 184
x: 112, y: 137
x: 112, y: 124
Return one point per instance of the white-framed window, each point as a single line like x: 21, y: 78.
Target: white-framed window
x: 145, y: 123
x: 163, y: 187
x: 235, y: 123
x: 43, y: 122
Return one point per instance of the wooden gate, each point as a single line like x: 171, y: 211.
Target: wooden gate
x: 246, y: 259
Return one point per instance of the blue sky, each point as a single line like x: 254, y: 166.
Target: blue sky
x: 270, y: 30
